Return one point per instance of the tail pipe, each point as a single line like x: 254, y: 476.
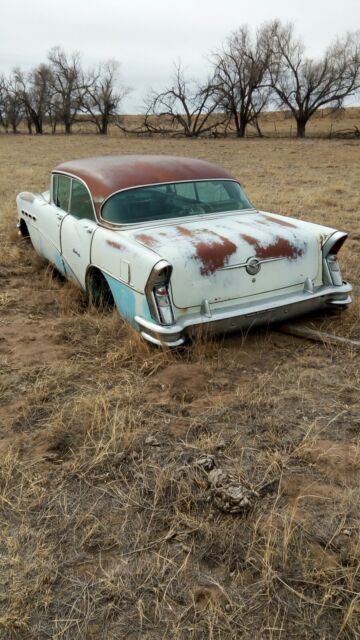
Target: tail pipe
x: 331, y: 268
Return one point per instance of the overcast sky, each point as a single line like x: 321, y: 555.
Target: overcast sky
x: 147, y: 36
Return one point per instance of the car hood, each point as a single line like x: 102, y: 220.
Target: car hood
x: 210, y: 257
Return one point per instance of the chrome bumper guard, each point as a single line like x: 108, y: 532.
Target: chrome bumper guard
x: 247, y: 315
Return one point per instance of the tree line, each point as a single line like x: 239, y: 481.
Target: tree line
x: 247, y: 75
x: 60, y: 91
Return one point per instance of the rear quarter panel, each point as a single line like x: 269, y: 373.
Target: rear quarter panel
x: 126, y: 267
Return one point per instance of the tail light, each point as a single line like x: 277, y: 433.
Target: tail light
x: 331, y: 267
x: 157, y: 293
x: 162, y: 298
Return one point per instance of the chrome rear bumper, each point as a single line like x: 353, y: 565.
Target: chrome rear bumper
x: 244, y: 316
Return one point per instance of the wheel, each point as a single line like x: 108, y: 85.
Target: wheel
x: 98, y: 290
x: 23, y: 230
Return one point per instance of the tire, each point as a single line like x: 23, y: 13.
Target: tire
x: 98, y: 290
x: 23, y: 230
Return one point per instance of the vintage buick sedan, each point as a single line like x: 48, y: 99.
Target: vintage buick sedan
x: 175, y: 244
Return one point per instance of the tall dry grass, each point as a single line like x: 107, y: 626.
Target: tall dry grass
x: 108, y: 526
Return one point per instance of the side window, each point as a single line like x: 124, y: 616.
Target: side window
x: 61, y: 192
x: 80, y: 202
x: 54, y: 187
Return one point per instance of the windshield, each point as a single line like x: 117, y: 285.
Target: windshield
x: 159, y: 202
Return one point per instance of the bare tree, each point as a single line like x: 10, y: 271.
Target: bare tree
x: 102, y: 95
x: 240, y: 70
x: 185, y: 108
x: 34, y: 91
x: 3, y: 92
x: 304, y: 85
x: 11, y: 108
x: 68, y: 86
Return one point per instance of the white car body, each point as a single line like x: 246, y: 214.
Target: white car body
x: 225, y: 270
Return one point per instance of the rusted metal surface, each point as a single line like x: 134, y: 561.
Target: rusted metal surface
x: 209, y: 248
x: 215, y: 254
x: 105, y: 175
x: 212, y: 249
x: 279, y: 221
x: 148, y: 240
x: 183, y: 231
x: 279, y: 248
x: 114, y: 244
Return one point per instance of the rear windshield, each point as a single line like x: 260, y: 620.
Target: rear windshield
x: 174, y: 200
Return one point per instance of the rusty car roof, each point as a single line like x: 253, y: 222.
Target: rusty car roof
x: 105, y: 175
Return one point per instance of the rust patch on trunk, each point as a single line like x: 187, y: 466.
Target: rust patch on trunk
x: 214, y: 255
x: 280, y: 248
x: 149, y: 241
x: 183, y: 231
x: 282, y: 223
x: 249, y: 239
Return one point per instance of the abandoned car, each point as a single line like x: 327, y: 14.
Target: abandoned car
x: 175, y: 244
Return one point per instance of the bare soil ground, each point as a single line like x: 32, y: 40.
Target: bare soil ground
x: 110, y: 526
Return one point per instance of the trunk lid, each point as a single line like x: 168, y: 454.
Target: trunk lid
x: 235, y: 256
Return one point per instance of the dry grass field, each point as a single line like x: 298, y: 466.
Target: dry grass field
x: 108, y: 526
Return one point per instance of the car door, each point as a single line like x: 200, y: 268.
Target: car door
x: 77, y: 230
x: 49, y: 219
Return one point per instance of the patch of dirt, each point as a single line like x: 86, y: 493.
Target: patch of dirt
x: 208, y: 595
x: 25, y: 342
x: 305, y: 489
x: 339, y: 461
x: 179, y: 382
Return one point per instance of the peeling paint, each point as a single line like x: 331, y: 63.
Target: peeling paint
x: 279, y: 221
x: 184, y: 231
x: 114, y: 244
x: 144, y: 238
x: 215, y: 254
x: 279, y: 248
x: 212, y: 250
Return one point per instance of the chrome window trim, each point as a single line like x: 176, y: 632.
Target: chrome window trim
x: 74, y: 177
x: 170, y: 221
x: 51, y: 192
x: 163, y: 184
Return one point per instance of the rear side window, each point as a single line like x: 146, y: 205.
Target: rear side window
x: 80, y: 202
x: 61, y: 191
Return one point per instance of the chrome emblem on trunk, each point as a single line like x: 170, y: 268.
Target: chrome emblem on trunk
x: 253, y: 266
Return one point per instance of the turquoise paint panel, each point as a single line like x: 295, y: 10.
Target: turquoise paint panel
x: 51, y: 254
x: 59, y: 264
x: 124, y: 298
x: 70, y: 275
x: 146, y: 311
